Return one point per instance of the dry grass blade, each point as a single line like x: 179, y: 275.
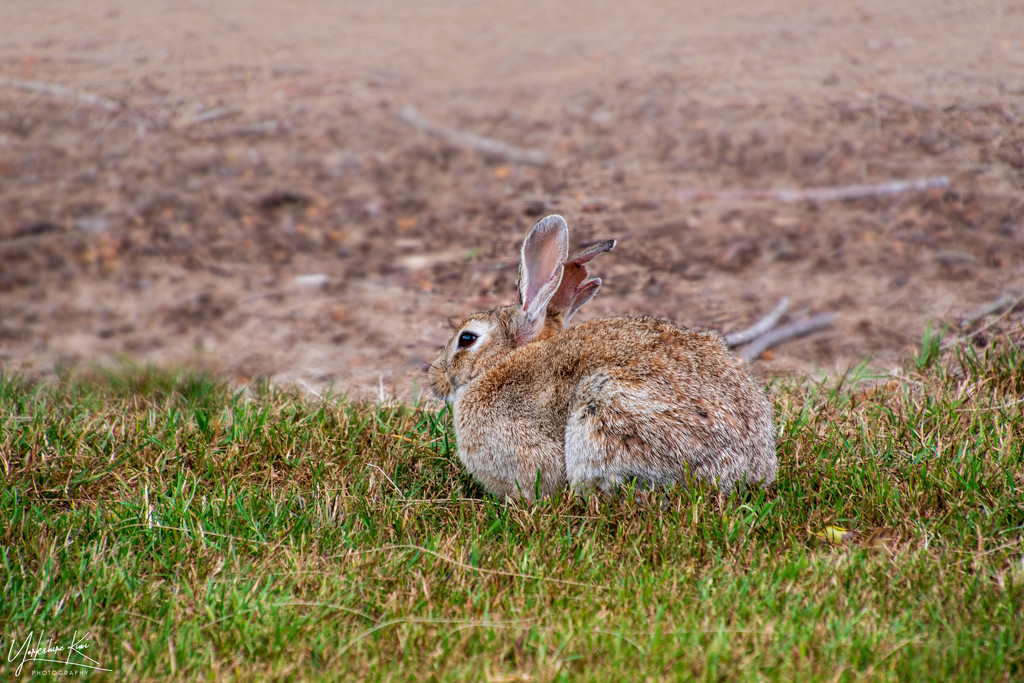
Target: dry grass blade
x: 468, y: 567
x: 290, y: 603
x: 460, y: 623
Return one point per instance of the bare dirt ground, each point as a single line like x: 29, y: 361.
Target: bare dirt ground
x: 241, y: 193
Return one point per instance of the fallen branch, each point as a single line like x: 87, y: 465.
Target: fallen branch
x: 752, y: 351
x: 904, y: 100
x: 62, y: 91
x: 1009, y: 299
x: 819, y: 194
x: 488, y: 147
x: 208, y: 115
x: 270, y: 127
x: 760, y: 327
x: 1007, y: 303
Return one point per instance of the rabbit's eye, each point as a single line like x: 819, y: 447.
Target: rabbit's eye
x: 466, y: 339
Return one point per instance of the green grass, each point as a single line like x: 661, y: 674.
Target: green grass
x: 191, y: 530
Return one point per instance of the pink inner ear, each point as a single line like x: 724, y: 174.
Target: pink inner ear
x: 572, y: 276
x: 585, y: 292
x: 542, y: 274
x: 541, y: 269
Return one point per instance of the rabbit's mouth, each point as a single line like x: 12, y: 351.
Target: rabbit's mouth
x: 440, y: 380
x: 446, y: 396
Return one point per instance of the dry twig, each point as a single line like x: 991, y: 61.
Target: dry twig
x: 1007, y: 300
x: 899, y: 98
x: 62, y: 91
x: 764, y: 334
x: 760, y: 327
x: 270, y: 127
x: 208, y: 115
x: 819, y: 194
x: 1007, y: 303
x: 489, y: 147
x: 798, y: 328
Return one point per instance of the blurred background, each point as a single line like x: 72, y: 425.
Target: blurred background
x: 293, y: 190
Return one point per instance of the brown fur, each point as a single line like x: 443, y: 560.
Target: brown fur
x: 602, y: 403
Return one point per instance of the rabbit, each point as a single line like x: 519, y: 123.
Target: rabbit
x: 539, y: 405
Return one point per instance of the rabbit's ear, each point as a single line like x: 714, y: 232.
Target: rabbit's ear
x: 540, y: 271
x: 575, y: 289
x: 582, y: 294
x: 594, y: 250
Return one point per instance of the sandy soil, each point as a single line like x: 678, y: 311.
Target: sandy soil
x: 229, y: 183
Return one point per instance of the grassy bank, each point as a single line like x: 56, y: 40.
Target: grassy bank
x: 182, y: 528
